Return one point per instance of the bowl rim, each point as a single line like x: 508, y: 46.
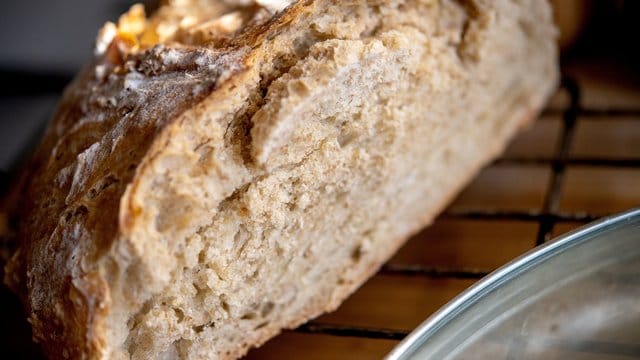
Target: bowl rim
x: 530, y: 259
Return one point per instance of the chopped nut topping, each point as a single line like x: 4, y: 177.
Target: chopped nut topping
x: 181, y: 21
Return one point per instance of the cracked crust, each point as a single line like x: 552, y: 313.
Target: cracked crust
x: 174, y: 174
x: 108, y: 119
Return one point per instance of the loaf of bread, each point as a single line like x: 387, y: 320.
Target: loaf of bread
x: 224, y: 170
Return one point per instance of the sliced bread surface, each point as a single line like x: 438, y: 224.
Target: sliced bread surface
x: 222, y: 171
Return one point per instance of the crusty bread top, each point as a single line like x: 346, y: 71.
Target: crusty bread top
x: 69, y: 212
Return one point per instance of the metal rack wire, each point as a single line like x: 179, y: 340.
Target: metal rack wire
x: 546, y: 217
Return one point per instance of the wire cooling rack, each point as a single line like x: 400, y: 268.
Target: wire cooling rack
x: 546, y: 217
x: 549, y: 218
x: 397, y: 299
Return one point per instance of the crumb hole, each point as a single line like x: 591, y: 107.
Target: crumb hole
x: 356, y: 254
x: 255, y: 274
x: 200, y: 292
x: 179, y: 314
x: 331, y: 120
x: 200, y: 328
x: 267, y: 308
x: 347, y: 138
x: 279, y: 250
x: 225, y: 306
x: 307, y: 252
x: 248, y: 316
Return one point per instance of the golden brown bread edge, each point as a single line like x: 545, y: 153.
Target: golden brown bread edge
x: 54, y: 272
x: 61, y: 239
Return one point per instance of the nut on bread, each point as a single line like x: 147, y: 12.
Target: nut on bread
x: 224, y: 170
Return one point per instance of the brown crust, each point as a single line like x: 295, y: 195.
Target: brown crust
x: 68, y: 215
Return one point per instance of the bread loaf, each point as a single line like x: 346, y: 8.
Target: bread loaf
x: 225, y: 170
